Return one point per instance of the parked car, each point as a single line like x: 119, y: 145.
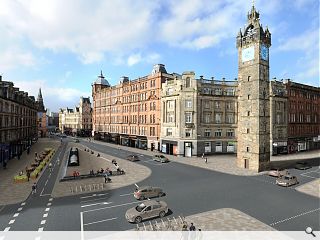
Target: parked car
x: 278, y: 172
x: 287, y: 180
x: 160, y: 158
x: 148, y: 192
x: 132, y: 158
x: 302, y: 166
x: 145, y: 210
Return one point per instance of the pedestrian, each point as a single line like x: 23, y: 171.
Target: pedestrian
x: 106, y: 178
x: 50, y: 167
x: 34, y: 188
x: 206, y: 160
x: 192, y: 227
x: 28, y: 174
x: 28, y: 149
x: 4, y: 164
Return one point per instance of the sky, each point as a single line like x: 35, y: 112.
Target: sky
x: 61, y: 46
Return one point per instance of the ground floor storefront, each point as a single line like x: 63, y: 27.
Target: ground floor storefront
x: 303, y: 144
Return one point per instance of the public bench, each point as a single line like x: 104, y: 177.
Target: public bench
x: 85, y: 176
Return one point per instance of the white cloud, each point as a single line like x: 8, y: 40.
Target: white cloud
x: 152, y: 58
x: 134, y: 59
x: 12, y: 57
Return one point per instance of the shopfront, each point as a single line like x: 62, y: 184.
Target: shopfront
x: 169, y: 147
x: 279, y: 148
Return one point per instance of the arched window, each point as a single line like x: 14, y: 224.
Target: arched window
x: 188, y: 82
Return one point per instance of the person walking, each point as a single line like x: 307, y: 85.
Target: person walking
x: 34, y: 188
x: 50, y: 167
x: 192, y: 227
x: 28, y: 174
x: 206, y: 160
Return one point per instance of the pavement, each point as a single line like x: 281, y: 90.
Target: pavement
x: 16, y: 192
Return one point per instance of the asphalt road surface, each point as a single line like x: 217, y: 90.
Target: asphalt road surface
x: 189, y: 190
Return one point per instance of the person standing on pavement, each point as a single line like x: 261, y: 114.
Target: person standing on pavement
x: 192, y: 227
x: 34, y: 188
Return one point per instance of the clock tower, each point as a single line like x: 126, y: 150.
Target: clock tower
x: 253, y: 150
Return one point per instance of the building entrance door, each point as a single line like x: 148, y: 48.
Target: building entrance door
x: 187, y: 149
x: 246, y: 163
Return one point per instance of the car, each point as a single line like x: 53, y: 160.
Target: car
x: 278, y: 172
x: 148, y: 192
x: 302, y: 166
x: 132, y: 158
x: 287, y: 180
x: 160, y: 158
x: 145, y: 210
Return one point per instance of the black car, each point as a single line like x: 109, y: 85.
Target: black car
x: 132, y: 158
x: 302, y: 166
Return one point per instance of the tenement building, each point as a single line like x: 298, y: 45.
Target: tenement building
x: 253, y: 151
x: 303, y: 116
x: 77, y: 120
x: 198, y: 115
x: 129, y: 112
x: 18, y: 120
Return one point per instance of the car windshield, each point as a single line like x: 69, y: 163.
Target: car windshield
x: 161, y: 156
x: 286, y: 178
x: 140, y: 207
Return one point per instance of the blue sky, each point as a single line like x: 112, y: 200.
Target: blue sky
x: 61, y: 46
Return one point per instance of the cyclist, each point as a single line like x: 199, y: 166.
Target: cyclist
x: 50, y: 167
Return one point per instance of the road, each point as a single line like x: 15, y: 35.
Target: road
x: 189, y: 190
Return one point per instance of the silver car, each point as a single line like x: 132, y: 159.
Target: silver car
x: 160, y: 158
x: 287, y: 180
x: 146, y: 210
x: 278, y: 172
x: 147, y: 192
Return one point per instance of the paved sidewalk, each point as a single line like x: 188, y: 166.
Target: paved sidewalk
x: 16, y: 192
x: 225, y: 163
x: 312, y: 188
x: 134, y: 173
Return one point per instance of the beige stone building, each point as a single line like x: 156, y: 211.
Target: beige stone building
x: 129, y: 112
x: 253, y: 44
x: 198, y: 116
x: 77, y: 121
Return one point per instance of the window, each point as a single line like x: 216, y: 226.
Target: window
x: 229, y: 105
x: 206, y: 90
x: 218, y: 91
x: 188, y: 117
x: 169, y: 91
x: 218, y: 117
x: 218, y: 133
x: 188, y: 133
x: 217, y: 104
x: 188, y: 82
x: 170, y: 117
x: 170, y: 104
x: 207, y: 133
x: 249, y: 78
x: 169, y: 131
x: 188, y: 103
x: 207, y: 117
x: 230, y: 133
x: 248, y: 149
x: 206, y: 104
x: 230, y: 118
x: 248, y: 96
x: 248, y: 113
x: 230, y: 92
x: 248, y: 130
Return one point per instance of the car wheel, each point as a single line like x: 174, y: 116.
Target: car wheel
x: 138, y: 220
x: 162, y: 214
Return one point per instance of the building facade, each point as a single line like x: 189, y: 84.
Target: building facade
x: 253, y: 44
x: 303, y: 116
x: 129, y: 113
x: 198, y: 116
x: 18, y: 120
x: 41, y: 116
x: 77, y: 121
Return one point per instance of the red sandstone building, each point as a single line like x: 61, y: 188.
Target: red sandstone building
x: 303, y: 117
x: 129, y: 113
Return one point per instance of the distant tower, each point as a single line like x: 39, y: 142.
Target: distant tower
x: 253, y: 44
x: 40, y: 102
x: 42, y: 116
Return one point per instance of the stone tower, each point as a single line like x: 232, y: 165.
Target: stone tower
x: 253, y: 44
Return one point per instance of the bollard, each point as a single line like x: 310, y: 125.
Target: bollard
x: 76, y: 188
x: 144, y: 226
x: 90, y: 187
x: 163, y: 223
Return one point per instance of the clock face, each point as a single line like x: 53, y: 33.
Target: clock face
x: 264, y: 53
x: 247, y: 54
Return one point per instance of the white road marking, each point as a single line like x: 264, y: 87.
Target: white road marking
x: 43, y: 222
x: 94, y: 195
x: 46, y: 182
x: 2, y: 208
x: 16, y: 215
x: 308, y: 176
x: 19, y: 209
x: 127, y: 194
x: 50, y: 199
x: 299, y: 215
x: 40, y: 229
x: 92, y: 200
x: 45, y: 215
x: 120, y: 205
x: 136, y: 185
x: 12, y: 221
x: 47, y: 209
x: 105, y: 159
x: 43, y: 195
x: 49, y: 204
x: 42, y: 192
x: 105, y: 220
x: 7, y: 229
x: 22, y: 204
x: 81, y: 223
x: 94, y: 204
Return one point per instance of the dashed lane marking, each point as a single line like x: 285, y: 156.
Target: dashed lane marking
x: 43, y: 222
x: 119, y: 205
x: 2, y: 208
x: 19, y: 209
x: 94, y: 195
x: 42, y: 192
x: 50, y: 199
x: 46, y: 182
x: 49, y: 204
x: 299, y: 215
x: 7, y: 229
x: 92, y: 200
x: 22, y: 204
x: 16, y: 215
x: 40, y: 229
x: 45, y: 215
x: 105, y: 220
x: 12, y: 221
x: 47, y: 209
x: 94, y: 204
x: 127, y: 194
x: 105, y: 159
